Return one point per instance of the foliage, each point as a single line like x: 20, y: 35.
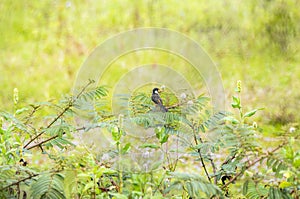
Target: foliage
x: 48, y: 186
x: 203, y: 152
x: 39, y: 158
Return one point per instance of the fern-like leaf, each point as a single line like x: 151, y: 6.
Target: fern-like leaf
x: 195, y: 185
x: 48, y: 186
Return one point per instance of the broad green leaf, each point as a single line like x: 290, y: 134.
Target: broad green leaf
x: 236, y: 102
x: 126, y: 148
x: 19, y: 111
x: 285, y: 184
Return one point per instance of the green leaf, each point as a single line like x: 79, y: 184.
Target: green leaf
x: 108, y: 171
x: 126, y: 148
x: 84, y: 176
x: 255, y: 191
x: 245, y: 187
x: 236, y: 102
x: 162, y: 135
x: 116, y: 135
x: 88, y: 186
x: 285, y: 184
x: 149, y: 145
x: 250, y: 113
x: 195, y: 184
x: 48, y: 186
x: 95, y: 93
x: 19, y: 111
x: 164, y: 139
x: 296, y: 162
x: 231, y: 119
x: 118, y: 196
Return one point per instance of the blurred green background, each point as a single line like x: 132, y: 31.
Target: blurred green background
x: 44, y: 43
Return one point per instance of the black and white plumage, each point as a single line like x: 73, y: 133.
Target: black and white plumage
x: 157, y: 100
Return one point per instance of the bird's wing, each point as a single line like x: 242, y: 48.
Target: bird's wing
x: 156, y: 99
x: 160, y: 100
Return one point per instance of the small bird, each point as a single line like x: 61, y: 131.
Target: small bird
x: 157, y: 100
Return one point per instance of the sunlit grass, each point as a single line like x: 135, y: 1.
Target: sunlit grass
x: 44, y: 43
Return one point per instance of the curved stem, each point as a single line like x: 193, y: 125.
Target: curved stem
x: 200, y: 154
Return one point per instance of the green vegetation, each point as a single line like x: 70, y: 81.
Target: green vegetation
x: 44, y: 43
x: 204, y: 153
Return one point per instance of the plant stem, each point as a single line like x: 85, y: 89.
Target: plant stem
x: 43, y: 142
x: 160, y: 183
x: 200, y: 155
x: 213, y: 167
x: 177, y: 156
x: 119, y: 164
x: 51, y: 138
x: 71, y: 103
x: 18, y: 182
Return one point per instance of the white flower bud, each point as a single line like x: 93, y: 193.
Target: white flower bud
x: 105, y: 157
x: 146, y: 155
x: 68, y: 4
x: 292, y: 129
x: 190, y: 102
x: 182, y: 95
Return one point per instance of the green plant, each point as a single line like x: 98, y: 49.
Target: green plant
x: 205, y: 154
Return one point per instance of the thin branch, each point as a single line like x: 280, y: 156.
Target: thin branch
x: 43, y: 131
x: 200, y: 155
x: 94, y: 188
x: 18, y: 182
x: 180, y: 104
x: 28, y: 178
x: 40, y: 146
x: 160, y: 183
x: 177, y: 156
x: 51, y: 138
x: 212, y: 163
x: 228, y: 160
x: 175, y: 105
x: 35, y: 108
x: 213, y: 167
x: 71, y: 103
x: 115, y: 184
x: 43, y: 142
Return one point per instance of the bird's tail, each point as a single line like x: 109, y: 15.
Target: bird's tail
x: 162, y: 108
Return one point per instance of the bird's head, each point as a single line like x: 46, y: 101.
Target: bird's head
x: 156, y: 90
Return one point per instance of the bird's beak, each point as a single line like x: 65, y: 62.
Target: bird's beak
x: 159, y: 91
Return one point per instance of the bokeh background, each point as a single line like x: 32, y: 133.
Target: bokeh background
x: 44, y: 43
